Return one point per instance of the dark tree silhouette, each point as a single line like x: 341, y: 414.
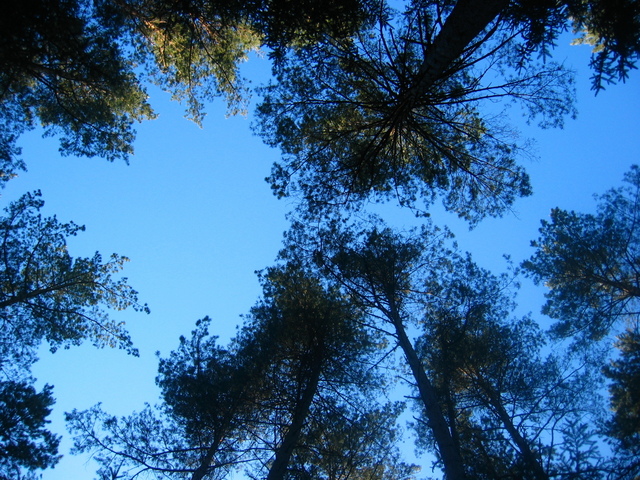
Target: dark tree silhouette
x: 299, y: 375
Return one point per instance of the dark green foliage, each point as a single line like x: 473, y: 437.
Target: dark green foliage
x: 399, y: 110
x: 292, y: 393
x: 212, y: 393
x: 357, y: 445
x: 613, y: 28
x: 319, y: 351
x: 377, y: 268
x: 367, y: 104
x: 202, y: 430
x: 78, y: 68
x: 368, y: 118
x: 25, y: 443
x: 62, y: 68
x: 580, y: 457
x: 45, y: 294
x: 506, y: 401
x: 504, y: 404
x: 590, y: 263
x: 624, y: 374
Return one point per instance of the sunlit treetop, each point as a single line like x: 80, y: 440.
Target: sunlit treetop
x: 374, y: 117
x: 64, y: 70
x: 187, y: 48
x: 79, y: 68
x: 612, y: 27
x: 408, y: 108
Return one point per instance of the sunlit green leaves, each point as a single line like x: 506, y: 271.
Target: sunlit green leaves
x: 193, y: 50
x: 355, y: 122
x: 63, y: 69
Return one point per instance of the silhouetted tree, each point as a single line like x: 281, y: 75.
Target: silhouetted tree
x: 47, y: 295
x: 624, y: 373
x: 375, y: 268
x: 358, y: 119
x: 80, y: 68
x: 489, y: 402
x: 25, y: 444
x: 508, y: 400
x: 291, y: 394
x: 64, y: 69
x: 201, y: 429
x: 590, y: 263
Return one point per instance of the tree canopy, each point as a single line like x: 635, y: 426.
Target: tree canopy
x: 46, y: 295
x: 80, y: 68
x: 488, y: 401
x: 25, y: 443
x: 590, y: 263
x: 368, y: 102
x: 360, y: 119
x: 293, y: 393
x: 64, y: 69
x: 399, y: 110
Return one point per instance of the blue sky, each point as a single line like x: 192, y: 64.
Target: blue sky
x: 195, y: 216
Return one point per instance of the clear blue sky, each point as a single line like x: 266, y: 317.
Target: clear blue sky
x: 195, y: 216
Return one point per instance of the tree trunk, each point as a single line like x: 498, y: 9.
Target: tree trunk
x: 530, y: 459
x: 450, y: 454
x: 285, y: 450
x: 205, y: 464
x: 465, y: 22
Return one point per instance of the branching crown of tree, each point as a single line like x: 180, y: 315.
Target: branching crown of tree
x: 292, y: 393
x: 46, y: 295
x: 591, y: 263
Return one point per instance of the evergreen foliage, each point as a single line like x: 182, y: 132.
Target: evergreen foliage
x: 590, y: 263
x: 367, y: 103
x: 46, y: 295
x: 293, y: 395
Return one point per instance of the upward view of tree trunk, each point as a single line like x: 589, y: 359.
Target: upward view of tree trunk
x: 530, y: 459
x: 447, y: 448
x: 467, y: 20
x: 283, y: 453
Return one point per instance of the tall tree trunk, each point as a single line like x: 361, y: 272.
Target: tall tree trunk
x: 530, y: 458
x: 450, y: 454
x: 205, y: 464
x: 285, y: 450
x: 465, y: 22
